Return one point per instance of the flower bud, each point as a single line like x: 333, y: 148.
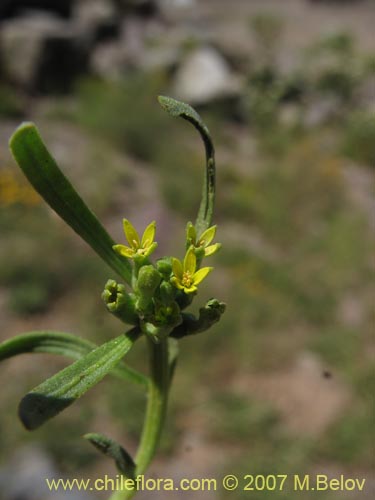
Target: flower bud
x: 164, y: 266
x: 167, y: 292
x: 148, y: 281
x: 119, y: 302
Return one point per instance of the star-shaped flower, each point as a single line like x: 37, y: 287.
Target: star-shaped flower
x: 139, y: 248
x: 204, y: 241
x: 186, y: 277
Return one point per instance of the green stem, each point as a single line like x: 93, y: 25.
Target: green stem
x: 156, y: 406
x: 155, y: 412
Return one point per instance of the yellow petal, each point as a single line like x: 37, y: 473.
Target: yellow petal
x: 201, y: 274
x: 148, y: 235
x: 212, y: 249
x: 190, y: 261
x: 176, y: 283
x: 208, y: 235
x: 191, y: 289
x: 177, y: 269
x: 148, y: 251
x: 124, y: 251
x: 131, y: 234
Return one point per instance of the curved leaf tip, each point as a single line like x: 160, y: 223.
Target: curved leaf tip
x: 122, y: 458
x: 24, y: 126
x: 35, y: 408
x: 178, y: 108
x: 181, y: 109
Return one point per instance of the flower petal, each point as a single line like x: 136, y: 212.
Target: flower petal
x: 176, y: 283
x: 210, y: 250
x: 201, y: 274
x: 207, y: 236
x: 148, y: 251
x: 190, y: 289
x: 124, y: 251
x: 190, y: 261
x: 177, y: 269
x: 131, y: 234
x: 148, y: 235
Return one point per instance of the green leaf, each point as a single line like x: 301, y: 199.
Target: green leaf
x: 64, y: 344
x: 123, y: 460
x: 64, y: 388
x: 47, y: 179
x: 206, y: 208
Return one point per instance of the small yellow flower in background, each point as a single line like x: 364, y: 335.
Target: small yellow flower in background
x: 203, y: 242
x: 138, y: 247
x: 186, y: 277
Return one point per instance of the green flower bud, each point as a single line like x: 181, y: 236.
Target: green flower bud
x: 168, y: 315
x: 164, y: 266
x: 167, y: 292
x: 119, y: 302
x: 148, y: 281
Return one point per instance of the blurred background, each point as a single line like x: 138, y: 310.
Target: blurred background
x: 285, y: 382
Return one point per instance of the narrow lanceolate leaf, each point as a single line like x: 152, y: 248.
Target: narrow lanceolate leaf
x: 64, y: 388
x: 123, y: 460
x: 64, y: 344
x: 178, y: 108
x: 47, y: 179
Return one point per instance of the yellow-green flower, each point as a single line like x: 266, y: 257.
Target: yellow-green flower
x: 204, y: 241
x: 186, y: 277
x: 138, y: 247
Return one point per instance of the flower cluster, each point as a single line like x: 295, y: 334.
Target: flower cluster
x: 161, y: 291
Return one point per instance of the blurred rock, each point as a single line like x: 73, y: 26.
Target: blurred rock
x: 205, y: 76
x: 98, y: 19
x: 41, y: 52
x: 139, y: 45
x: 321, y: 110
x: 112, y: 58
x: 143, y: 8
x: 108, y: 60
x: 24, y: 477
x: 11, y: 8
x: 177, y: 4
x: 163, y: 58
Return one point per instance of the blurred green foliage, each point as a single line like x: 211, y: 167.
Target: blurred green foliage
x: 358, y: 140
x: 234, y: 418
x: 125, y: 112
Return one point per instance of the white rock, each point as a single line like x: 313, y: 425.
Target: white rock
x: 205, y: 76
